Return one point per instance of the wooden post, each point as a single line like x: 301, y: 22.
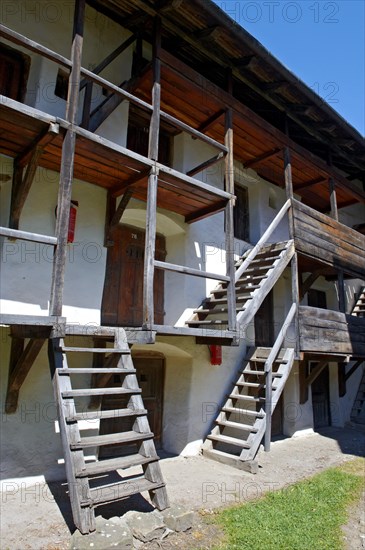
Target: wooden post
x: 229, y: 227
x: 150, y: 243
x: 294, y: 260
x: 67, y: 164
x: 334, y: 215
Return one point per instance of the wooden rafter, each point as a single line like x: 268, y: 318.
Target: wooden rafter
x: 309, y: 183
x: 307, y: 284
x: 353, y: 369
x: 206, y: 164
x: 264, y: 156
x: 211, y: 120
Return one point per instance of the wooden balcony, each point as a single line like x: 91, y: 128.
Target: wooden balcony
x: 329, y: 242
x: 323, y: 331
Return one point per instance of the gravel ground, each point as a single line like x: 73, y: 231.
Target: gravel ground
x: 39, y: 517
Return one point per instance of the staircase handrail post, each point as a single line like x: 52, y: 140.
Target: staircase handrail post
x: 268, y: 374
x: 256, y: 249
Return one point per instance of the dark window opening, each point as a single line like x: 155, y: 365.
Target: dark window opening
x: 241, y: 218
x: 14, y: 71
x: 137, y: 141
x: 61, y: 87
x: 317, y: 298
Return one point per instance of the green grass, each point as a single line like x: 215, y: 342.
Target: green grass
x: 307, y: 515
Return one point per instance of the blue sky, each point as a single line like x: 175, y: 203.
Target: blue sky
x: 322, y: 42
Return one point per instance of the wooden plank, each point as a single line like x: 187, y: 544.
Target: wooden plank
x: 121, y: 208
x: 205, y: 212
x: 190, y: 271
x: 206, y: 164
x: 42, y: 140
x: 27, y: 236
x: 67, y: 164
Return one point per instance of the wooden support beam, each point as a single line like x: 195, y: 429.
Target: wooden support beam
x: 22, y: 188
x: 210, y: 121
x: 190, y: 271
x: 309, y: 183
x: 109, y: 58
x: 303, y: 388
x: 307, y: 284
x: 229, y: 225
x: 260, y: 158
x: 206, y: 164
x: 67, y: 163
x: 27, y: 236
x: 120, y: 190
x: 207, y: 211
x: 316, y: 372
x: 20, y: 370
x: 121, y: 208
x: 41, y: 141
x: 151, y: 209
x: 353, y: 369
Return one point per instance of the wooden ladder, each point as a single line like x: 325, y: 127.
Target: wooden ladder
x: 90, y: 483
x: 241, y: 423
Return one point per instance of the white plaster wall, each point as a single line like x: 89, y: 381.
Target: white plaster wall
x: 26, y: 268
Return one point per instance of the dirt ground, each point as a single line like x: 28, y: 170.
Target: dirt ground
x: 39, y: 517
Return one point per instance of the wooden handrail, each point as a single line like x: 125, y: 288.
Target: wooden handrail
x: 268, y: 370
x: 27, y: 236
x: 256, y: 249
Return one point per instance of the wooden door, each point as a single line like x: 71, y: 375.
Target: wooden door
x: 321, y: 399
x: 150, y: 375
x: 122, y: 303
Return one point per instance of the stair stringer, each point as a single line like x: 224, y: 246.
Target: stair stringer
x: 246, y: 316
x: 79, y: 473
x: 278, y: 385
x: 252, y: 444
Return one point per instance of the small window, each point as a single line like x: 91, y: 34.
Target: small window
x: 241, y: 219
x: 317, y: 298
x: 14, y: 70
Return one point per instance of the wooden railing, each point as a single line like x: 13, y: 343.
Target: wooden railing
x: 328, y: 240
x: 331, y: 332
x: 268, y: 372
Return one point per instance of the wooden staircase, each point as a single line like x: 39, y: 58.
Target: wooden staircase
x: 252, y: 287
x: 358, y: 409
x: 241, y: 423
x: 359, y: 307
x: 98, y: 482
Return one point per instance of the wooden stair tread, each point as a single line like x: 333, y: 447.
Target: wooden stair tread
x: 100, y: 391
x: 118, y: 491
x: 112, y: 464
x: 98, y: 415
x: 229, y: 440
x: 246, y: 398
x: 121, y: 351
x: 110, y: 439
x: 100, y: 370
x: 209, y: 322
x: 250, y: 384
x: 236, y: 425
x: 243, y: 412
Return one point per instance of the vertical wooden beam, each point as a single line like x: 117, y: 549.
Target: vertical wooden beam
x: 294, y: 260
x: 111, y: 205
x: 151, y: 209
x: 334, y: 215
x: 16, y: 185
x: 67, y: 164
x: 86, y: 110
x: 229, y: 226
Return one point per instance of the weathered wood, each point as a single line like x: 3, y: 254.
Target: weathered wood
x: 205, y: 212
x: 27, y: 236
x: 42, y: 141
x: 310, y: 280
x: 153, y: 138
x: 256, y: 249
x: 148, y: 278
x: 121, y: 208
x: 86, y: 109
x: 211, y: 121
x: 354, y: 367
x: 206, y: 164
x: 109, y: 58
x: 264, y: 156
x: 243, y: 318
x: 22, y: 189
x: 121, y: 189
x: 19, y: 372
x: 35, y: 320
x: 74, y: 460
x: 190, y: 271
x: 67, y: 164
x: 322, y: 330
x: 16, y: 351
x: 110, y: 209
x: 316, y: 372
x: 309, y: 183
